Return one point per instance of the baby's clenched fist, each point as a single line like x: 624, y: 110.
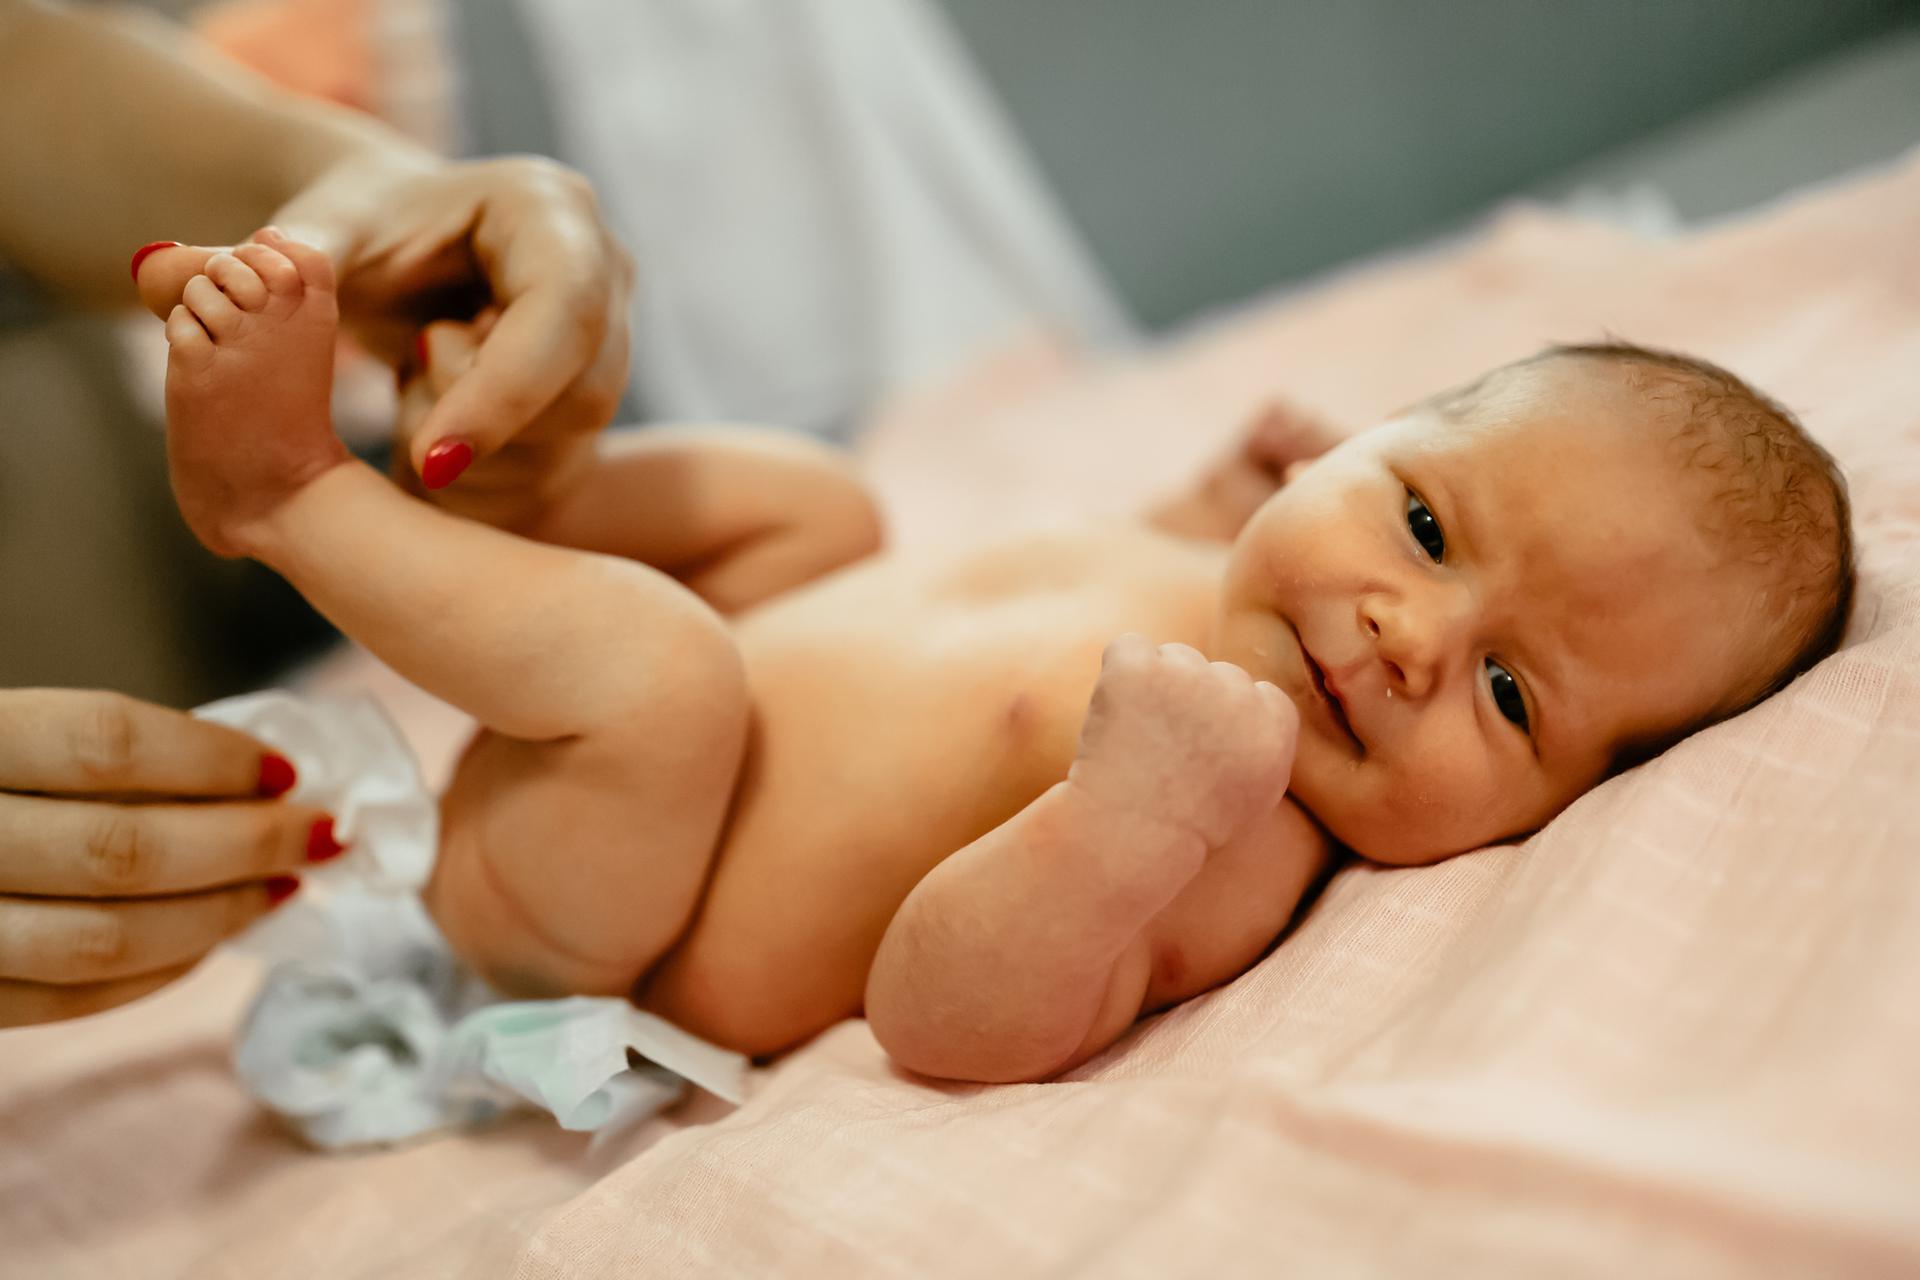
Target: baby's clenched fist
x: 1172, y: 738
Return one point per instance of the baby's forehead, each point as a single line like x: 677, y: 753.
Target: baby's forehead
x: 1545, y: 429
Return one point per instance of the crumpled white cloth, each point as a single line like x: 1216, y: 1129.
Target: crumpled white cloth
x: 368, y: 1029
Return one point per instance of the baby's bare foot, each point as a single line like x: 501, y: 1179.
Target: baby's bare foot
x: 249, y: 375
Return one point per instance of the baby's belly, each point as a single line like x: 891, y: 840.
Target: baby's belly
x: 889, y: 732
x: 852, y: 790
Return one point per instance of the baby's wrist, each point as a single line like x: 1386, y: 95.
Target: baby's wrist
x: 1123, y: 832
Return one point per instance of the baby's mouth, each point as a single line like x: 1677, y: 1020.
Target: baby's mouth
x: 1335, y: 708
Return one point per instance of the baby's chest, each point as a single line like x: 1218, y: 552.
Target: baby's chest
x: 952, y: 689
x: 909, y: 733
x: 898, y: 716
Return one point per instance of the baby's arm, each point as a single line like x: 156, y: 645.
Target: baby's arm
x: 1275, y: 443
x: 736, y: 514
x: 1033, y: 948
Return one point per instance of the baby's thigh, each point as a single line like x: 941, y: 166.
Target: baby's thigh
x: 572, y: 867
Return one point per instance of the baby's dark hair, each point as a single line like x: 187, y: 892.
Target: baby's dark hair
x: 1779, y: 502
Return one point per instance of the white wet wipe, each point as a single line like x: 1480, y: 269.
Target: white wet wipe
x: 368, y: 1029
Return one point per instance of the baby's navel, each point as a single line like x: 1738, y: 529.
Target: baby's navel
x: 1022, y: 714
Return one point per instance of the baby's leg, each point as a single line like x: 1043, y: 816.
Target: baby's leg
x: 617, y: 696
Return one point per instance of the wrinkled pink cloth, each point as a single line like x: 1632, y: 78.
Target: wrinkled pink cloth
x: 1675, y: 1034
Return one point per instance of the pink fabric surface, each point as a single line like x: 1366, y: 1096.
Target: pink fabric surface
x: 1674, y: 1034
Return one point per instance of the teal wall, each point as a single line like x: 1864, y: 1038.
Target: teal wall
x: 1212, y: 148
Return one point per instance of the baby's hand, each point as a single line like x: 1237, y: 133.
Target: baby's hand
x: 1172, y: 738
x: 1275, y: 443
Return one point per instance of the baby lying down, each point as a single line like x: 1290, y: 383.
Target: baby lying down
x: 939, y: 790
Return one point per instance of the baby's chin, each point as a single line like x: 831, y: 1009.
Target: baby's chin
x: 1359, y: 825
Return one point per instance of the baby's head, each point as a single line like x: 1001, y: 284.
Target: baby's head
x: 1515, y: 589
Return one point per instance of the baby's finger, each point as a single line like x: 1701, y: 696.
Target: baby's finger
x: 94, y: 742
x: 1276, y: 701
x: 75, y: 943
x: 1126, y: 648
x: 26, y: 1003
x: 92, y: 849
x: 1184, y: 654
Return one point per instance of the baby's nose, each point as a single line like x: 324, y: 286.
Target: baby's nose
x: 1412, y: 639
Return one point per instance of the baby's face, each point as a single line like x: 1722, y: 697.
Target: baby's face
x: 1473, y: 617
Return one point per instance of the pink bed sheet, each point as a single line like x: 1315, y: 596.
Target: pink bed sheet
x: 1675, y: 1034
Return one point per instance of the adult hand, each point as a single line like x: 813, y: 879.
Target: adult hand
x: 1276, y: 442
x: 132, y: 839
x: 416, y: 240
x: 443, y: 241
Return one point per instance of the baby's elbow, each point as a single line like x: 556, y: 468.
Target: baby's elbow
x: 847, y: 526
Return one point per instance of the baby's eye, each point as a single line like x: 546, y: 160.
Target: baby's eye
x: 1506, y: 694
x: 1426, y: 529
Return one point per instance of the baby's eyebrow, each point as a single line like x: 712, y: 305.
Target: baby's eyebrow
x: 1457, y: 513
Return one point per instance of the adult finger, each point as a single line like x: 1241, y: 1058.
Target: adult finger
x: 543, y: 341
x: 69, y: 942
x: 562, y: 286
x: 25, y: 1003
x: 94, y: 849
x: 95, y: 742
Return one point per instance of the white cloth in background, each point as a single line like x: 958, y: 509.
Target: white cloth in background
x: 368, y: 1030
x: 824, y: 199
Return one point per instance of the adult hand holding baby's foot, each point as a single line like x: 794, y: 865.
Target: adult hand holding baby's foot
x: 249, y: 375
x: 1174, y: 739
x: 416, y: 240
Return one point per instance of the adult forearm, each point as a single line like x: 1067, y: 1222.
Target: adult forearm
x: 1020, y: 954
x: 115, y: 130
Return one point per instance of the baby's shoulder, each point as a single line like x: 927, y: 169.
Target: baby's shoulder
x: 1231, y: 912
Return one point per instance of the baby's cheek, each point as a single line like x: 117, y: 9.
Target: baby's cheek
x: 1447, y: 803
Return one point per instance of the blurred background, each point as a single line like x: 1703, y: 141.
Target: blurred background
x: 923, y: 177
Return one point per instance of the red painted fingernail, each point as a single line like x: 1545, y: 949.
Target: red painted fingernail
x: 276, y: 775
x: 420, y: 350
x: 140, y: 254
x: 320, y: 842
x: 280, y: 888
x: 445, y: 461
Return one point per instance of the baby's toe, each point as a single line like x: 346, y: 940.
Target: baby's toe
x: 276, y: 271
x: 212, y: 308
x: 186, y: 340
x: 238, y: 281
x: 316, y: 272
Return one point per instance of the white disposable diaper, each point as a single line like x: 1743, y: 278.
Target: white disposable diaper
x: 368, y: 1030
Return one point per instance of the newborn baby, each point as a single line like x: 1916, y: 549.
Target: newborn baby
x: 939, y: 790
